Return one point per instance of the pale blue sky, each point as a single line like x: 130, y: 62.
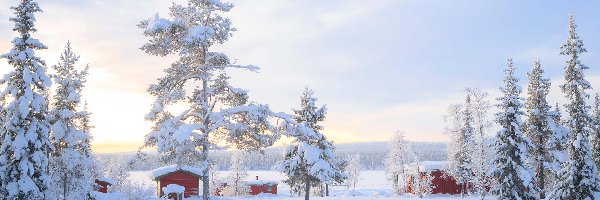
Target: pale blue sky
x: 378, y: 65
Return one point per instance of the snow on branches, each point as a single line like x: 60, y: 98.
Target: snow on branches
x: 214, y: 112
x: 578, y: 177
x: 311, y: 158
x: 513, y: 179
x: 71, y: 163
x: 25, y: 131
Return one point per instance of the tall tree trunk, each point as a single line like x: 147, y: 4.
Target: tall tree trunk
x: 65, y: 186
x: 462, y: 189
x: 205, y: 177
x: 396, y: 187
x: 540, y: 167
x: 205, y: 181
x: 307, y: 190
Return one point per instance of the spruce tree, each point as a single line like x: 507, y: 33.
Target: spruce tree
x: 310, y: 159
x: 556, y: 145
x: 25, y: 146
x: 596, y: 131
x: 578, y: 176
x: 71, y: 161
x: 537, y: 127
x: 514, y: 179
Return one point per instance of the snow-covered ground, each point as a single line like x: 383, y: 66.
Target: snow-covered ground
x: 372, y: 186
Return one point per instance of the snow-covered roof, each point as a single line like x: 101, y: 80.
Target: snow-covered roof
x: 163, y: 171
x: 261, y: 182
x: 106, y: 180
x: 427, y: 166
x: 173, y: 188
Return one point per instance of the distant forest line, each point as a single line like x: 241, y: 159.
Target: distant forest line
x: 372, y: 155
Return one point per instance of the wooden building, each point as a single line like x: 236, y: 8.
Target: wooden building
x: 441, y: 182
x: 260, y: 186
x: 188, y: 177
x: 103, y: 184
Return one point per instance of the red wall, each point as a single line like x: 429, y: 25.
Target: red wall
x: 190, y: 182
x: 102, y: 186
x: 257, y: 189
x: 443, y: 184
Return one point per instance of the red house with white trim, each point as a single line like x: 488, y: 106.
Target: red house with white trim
x: 186, y: 176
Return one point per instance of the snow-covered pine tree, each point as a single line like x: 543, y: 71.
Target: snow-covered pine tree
x: 513, y: 179
x: 353, y: 170
x: 537, y: 126
x: 595, y: 137
x: 26, y: 144
x: 215, y: 111
x: 463, y: 146
x: 400, y: 154
x: 480, y: 106
x: 71, y: 159
x: 236, y: 185
x: 310, y: 159
x: 556, y: 146
x: 578, y: 176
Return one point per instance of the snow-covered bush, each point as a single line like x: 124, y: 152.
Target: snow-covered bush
x: 353, y: 169
x: 400, y: 154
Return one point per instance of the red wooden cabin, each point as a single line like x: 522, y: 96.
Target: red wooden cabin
x: 188, y: 177
x: 441, y: 182
x: 103, y: 184
x: 257, y: 187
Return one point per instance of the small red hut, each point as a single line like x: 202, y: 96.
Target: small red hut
x: 441, y: 182
x: 103, y: 184
x: 260, y: 186
x: 186, y: 176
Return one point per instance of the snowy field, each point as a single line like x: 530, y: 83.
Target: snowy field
x: 372, y: 186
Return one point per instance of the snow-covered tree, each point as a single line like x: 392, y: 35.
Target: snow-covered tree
x: 537, y: 127
x: 400, y: 154
x: 513, y: 179
x: 118, y: 172
x: 462, y: 145
x: 353, y: 170
x: 25, y: 143
x: 480, y: 106
x: 214, y: 111
x: 310, y: 159
x: 422, y: 180
x: 236, y: 185
x: 214, y: 178
x: 556, y: 146
x: 71, y: 159
x: 596, y: 131
x: 578, y: 176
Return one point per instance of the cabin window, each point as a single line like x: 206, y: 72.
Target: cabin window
x: 269, y: 188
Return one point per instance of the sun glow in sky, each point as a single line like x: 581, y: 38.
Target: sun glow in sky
x: 379, y: 65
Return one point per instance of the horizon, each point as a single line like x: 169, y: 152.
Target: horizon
x: 374, y: 83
